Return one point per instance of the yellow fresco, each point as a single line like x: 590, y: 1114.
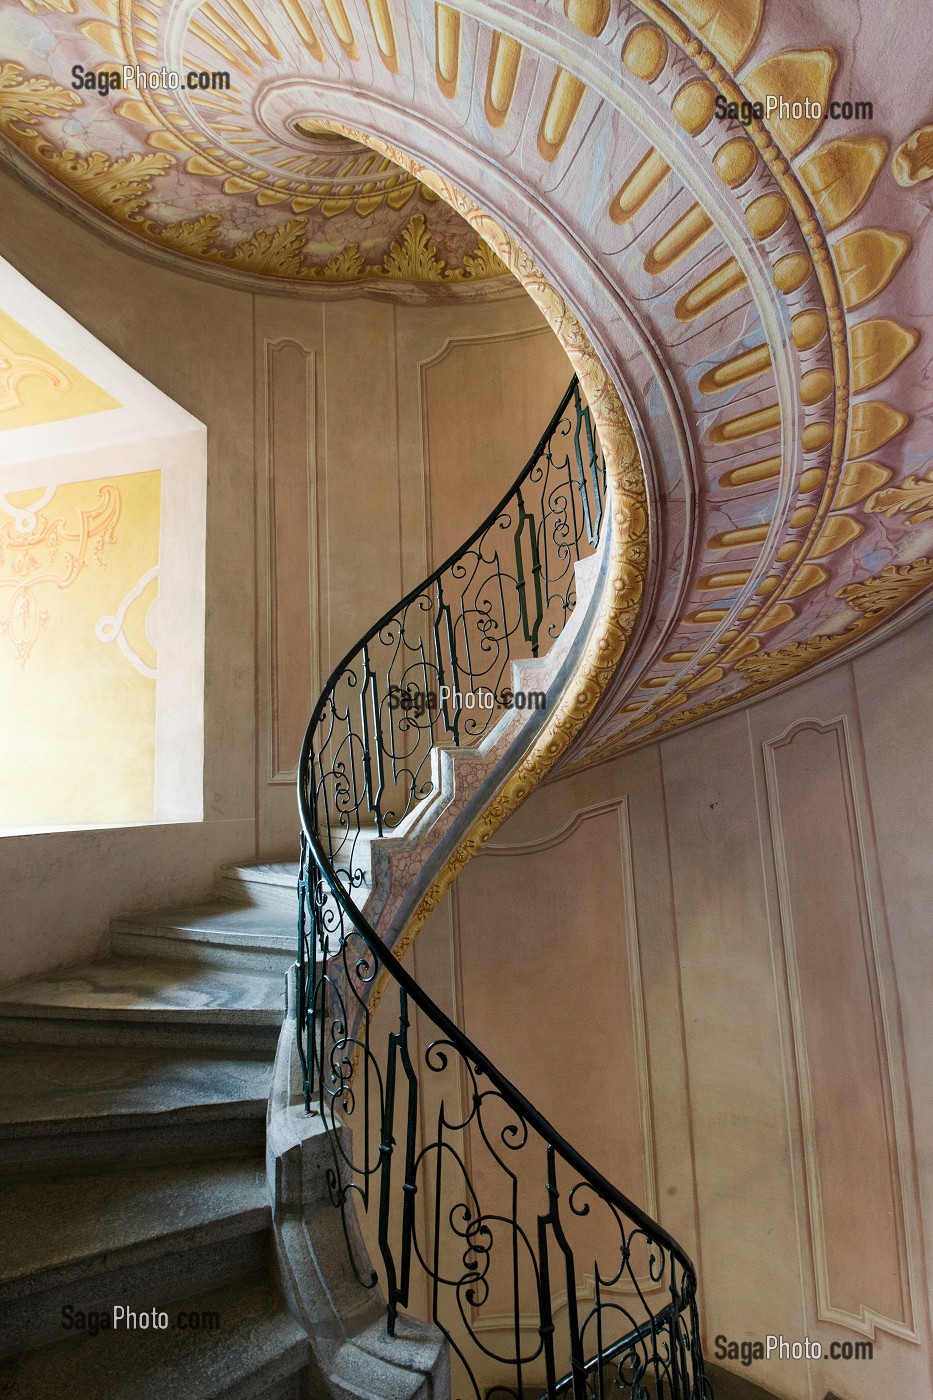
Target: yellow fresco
x: 38, y: 386
x: 77, y: 713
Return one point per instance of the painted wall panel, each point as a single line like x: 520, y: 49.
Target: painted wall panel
x: 745, y: 1185
x: 78, y: 731
x: 476, y: 443
x: 843, y: 1073
x: 511, y: 894
x: 291, y: 440
x: 781, y: 876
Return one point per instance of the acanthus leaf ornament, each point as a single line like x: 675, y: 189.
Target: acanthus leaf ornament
x: 912, y: 497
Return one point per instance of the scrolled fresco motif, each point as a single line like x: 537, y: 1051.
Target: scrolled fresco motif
x: 46, y: 556
x: 15, y: 366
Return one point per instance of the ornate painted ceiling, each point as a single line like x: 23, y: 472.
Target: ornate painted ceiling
x: 202, y: 173
x: 755, y: 281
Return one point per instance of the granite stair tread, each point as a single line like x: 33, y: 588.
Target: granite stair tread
x: 283, y: 874
x: 58, y: 1229
x: 239, y: 923
x: 45, y: 1091
x: 255, y: 1350
x: 148, y: 989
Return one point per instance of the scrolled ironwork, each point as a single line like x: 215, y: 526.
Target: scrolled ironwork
x: 545, y: 1279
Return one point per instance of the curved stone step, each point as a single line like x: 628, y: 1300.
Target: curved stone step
x: 144, y: 1237
x: 270, y: 885
x: 88, y: 1109
x: 256, y: 1353
x: 730, y: 1385
x: 248, y: 937
x: 375, y: 1366
x: 146, y: 1001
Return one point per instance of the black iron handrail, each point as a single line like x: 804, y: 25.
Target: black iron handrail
x: 630, y: 1323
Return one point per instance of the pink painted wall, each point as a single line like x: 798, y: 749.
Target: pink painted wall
x: 758, y: 946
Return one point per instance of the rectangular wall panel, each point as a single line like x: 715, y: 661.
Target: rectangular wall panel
x: 290, y: 386
x: 833, y: 949
x: 485, y: 403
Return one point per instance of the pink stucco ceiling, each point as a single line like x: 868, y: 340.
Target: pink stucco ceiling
x: 757, y: 291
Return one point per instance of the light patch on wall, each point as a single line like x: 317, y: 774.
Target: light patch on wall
x: 38, y: 386
x: 77, y: 713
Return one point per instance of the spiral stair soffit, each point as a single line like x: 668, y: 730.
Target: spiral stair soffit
x: 751, y: 286
x: 626, y: 543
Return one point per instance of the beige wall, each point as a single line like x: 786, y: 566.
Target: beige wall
x: 419, y: 419
x: 724, y: 948
x: 323, y: 503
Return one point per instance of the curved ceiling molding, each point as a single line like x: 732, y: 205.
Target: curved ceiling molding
x: 198, y: 173
x: 754, y: 283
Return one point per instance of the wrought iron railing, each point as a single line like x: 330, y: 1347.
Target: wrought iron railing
x: 546, y: 1280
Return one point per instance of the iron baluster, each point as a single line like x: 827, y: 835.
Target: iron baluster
x: 409, y: 1185
x: 302, y: 967
x: 447, y: 680
x: 373, y: 789
x: 545, y: 1309
x: 525, y: 525
x: 584, y: 472
x: 577, y: 1368
x: 386, y: 1148
x: 577, y: 501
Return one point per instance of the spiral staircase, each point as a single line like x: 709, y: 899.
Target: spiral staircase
x: 359, y: 1199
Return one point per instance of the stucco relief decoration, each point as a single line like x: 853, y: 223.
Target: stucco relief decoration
x: 196, y: 173
x: 755, y: 257
x: 15, y: 367
x: 41, y: 554
x: 777, y: 585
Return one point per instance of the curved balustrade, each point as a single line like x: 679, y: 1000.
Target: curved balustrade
x: 546, y: 1280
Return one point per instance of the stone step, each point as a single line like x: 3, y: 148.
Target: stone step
x: 86, y: 1109
x: 373, y: 1365
x: 731, y: 1385
x: 145, y: 1002
x: 138, y: 1237
x: 257, y: 1352
x: 271, y: 885
x: 251, y: 937
x: 727, y: 1385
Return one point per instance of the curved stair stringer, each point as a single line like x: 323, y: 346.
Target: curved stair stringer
x: 468, y: 780
x: 352, y: 1358
x: 409, y: 877
x: 403, y: 877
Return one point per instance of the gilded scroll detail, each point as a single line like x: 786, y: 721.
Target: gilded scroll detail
x: 912, y: 162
